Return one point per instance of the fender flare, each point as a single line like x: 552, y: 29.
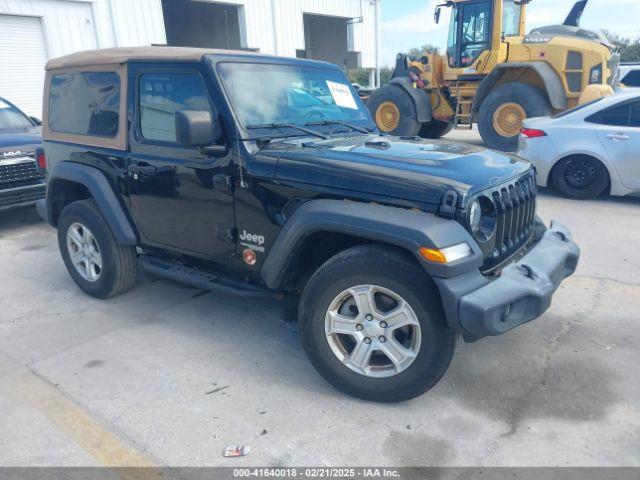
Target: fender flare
x: 97, y: 184
x: 553, y: 85
x: 400, y: 227
x: 419, y: 96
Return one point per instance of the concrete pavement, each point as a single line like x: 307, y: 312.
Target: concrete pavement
x: 168, y: 375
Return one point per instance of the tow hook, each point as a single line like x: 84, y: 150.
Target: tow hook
x: 527, y: 271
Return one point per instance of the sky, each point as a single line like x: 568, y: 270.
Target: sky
x: 409, y: 23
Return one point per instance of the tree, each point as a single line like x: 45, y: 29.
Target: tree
x: 359, y: 76
x: 385, y: 75
x: 423, y: 50
x: 629, y: 49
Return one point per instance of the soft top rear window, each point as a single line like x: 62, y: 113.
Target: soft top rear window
x: 85, y: 103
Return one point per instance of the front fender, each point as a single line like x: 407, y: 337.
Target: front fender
x: 553, y: 85
x: 407, y: 229
x: 419, y: 96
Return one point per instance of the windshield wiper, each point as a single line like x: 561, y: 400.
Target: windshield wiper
x: 339, y: 122
x: 289, y: 125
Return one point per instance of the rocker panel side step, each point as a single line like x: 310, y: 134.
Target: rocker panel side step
x: 204, y: 280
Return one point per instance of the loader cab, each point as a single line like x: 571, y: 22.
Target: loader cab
x: 478, y: 26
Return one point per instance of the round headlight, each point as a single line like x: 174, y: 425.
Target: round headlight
x: 482, y: 218
x: 475, y: 216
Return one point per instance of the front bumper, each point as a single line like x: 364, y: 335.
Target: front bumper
x: 521, y: 293
x: 21, y: 196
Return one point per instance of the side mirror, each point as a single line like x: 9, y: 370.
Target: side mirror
x: 196, y: 128
x: 436, y: 16
x: 36, y: 120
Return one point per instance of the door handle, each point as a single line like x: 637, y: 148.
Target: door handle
x: 143, y: 169
x: 618, y: 137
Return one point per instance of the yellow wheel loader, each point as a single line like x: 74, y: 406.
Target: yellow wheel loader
x: 495, y: 75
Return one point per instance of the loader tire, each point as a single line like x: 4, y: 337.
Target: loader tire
x: 394, y: 111
x: 436, y: 129
x: 504, y: 110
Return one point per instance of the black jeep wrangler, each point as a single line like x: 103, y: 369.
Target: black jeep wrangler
x: 258, y: 175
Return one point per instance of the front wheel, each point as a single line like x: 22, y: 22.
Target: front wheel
x: 394, y: 111
x: 504, y: 111
x: 372, y: 325
x: 435, y: 129
x: 96, y: 262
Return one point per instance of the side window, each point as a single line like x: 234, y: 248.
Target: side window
x: 85, y: 103
x: 616, y: 116
x: 632, y: 79
x: 635, y: 115
x: 161, y: 95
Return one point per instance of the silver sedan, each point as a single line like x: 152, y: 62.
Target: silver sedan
x: 588, y: 150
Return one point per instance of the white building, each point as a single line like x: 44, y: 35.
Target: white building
x: 344, y: 32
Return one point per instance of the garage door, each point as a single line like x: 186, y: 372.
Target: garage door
x: 23, y: 55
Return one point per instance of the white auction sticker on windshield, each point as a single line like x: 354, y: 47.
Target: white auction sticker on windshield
x: 342, y: 95
x: 3, y: 105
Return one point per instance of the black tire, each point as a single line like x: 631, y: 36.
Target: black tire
x: 580, y: 177
x: 119, y: 262
x: 391, y: 269
x: 408, y: 125
x: 290, y: 304
x: 435, y: 129
x: 533, y: 100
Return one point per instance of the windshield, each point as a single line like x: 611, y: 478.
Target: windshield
x: 291, y: 94
x: 12, y: 119
x: 511, y: 19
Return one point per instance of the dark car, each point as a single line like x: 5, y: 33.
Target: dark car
x: 207, y: 168
x: 21, y: 180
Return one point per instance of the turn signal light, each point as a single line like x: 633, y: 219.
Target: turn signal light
x: 532, y: 133
x: 433, y: 255
x: 446, y: 255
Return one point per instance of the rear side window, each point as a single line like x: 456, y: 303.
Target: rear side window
x: 162, y: 95
x: 632, y: 79
x: 617, y: 116
x: 85, y: 103
x: 635, y: 115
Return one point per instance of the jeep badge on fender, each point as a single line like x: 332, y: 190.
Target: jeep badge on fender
x: 394, y: 246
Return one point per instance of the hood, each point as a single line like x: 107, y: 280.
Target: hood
x: 25, y: 141
x: 417, y: 170
x: 552, y: 31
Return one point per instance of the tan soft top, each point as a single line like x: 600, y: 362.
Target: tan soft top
x: 115, y: 56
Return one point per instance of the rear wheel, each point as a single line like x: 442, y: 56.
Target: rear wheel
x: 96, y: 262
x: 372, y: 325
x: 580, y: 177
x: 394, y: 111
x: 435, y: 129
x: 504, y: 110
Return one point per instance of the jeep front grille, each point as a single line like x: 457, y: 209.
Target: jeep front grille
x: 515, y: 206
x: 18, y: 169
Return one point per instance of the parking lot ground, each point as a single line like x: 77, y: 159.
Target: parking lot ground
x: 168, y: 375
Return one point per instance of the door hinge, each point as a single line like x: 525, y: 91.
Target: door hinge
x: 223, y: 183
x: 226, y: 234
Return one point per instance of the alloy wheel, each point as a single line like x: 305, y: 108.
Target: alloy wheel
x: 373, y: 331
x: 84, y: 252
